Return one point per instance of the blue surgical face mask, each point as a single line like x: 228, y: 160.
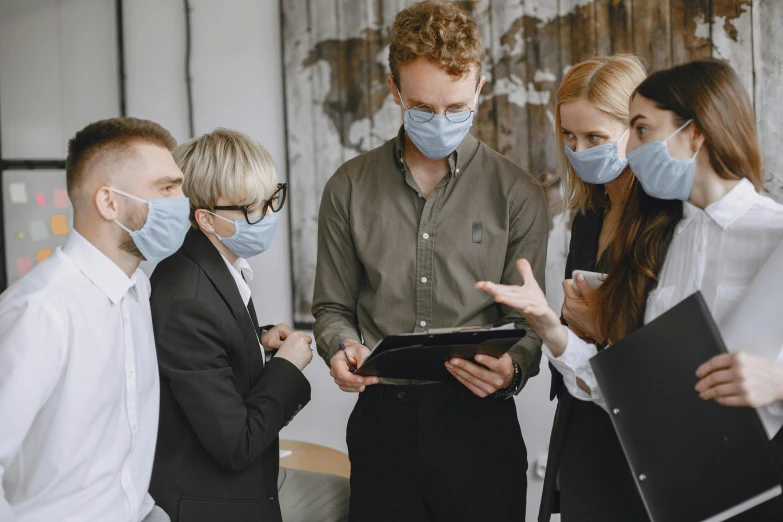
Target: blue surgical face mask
x: 598, y: 165
x: 438, y: 137
x: 250, y: 240
x: 164, y: 229
x: 661, y: 175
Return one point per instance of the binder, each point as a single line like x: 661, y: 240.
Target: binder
x: 692, y: 460
x: 422, y: 356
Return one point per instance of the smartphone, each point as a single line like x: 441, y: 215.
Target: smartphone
x: 594, y: 279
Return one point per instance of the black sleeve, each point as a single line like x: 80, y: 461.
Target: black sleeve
x: 234, y: 430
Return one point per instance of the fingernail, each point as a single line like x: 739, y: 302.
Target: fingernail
x: 449, y: 366
x: 479, y: 358
x: 580, y: 277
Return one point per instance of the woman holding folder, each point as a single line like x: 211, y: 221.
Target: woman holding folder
x: 693, y: 142
x: 591, y: 115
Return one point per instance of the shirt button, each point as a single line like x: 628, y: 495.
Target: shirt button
x: 133, y: 427
x: 126, y: 320
x: 420, y: 195
x: 426, y: 236
x: 401, y: 395
x: 456, y: 171
x: 423, y: 279
x: 423, y: 323
x: 130, y: 373
x: 125, y: 477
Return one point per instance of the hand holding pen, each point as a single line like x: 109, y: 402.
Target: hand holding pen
x: 343, y: 367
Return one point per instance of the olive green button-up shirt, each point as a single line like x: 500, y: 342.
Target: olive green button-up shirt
x: 391, y: 261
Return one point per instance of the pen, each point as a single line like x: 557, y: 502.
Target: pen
x: 350, y: 366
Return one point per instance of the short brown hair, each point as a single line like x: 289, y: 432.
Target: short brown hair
x: 114, y: 133
x: 441, y: 32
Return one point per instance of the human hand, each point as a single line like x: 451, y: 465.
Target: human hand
x: 740, y: 379
x: 273, y: 339
x: 495, y: 374
x: 297, y: 349
x: 356, y: 353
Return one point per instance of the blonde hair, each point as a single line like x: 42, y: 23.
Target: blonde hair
x: 227, y: 164
x: 608, y: 83
x: 441, y: 32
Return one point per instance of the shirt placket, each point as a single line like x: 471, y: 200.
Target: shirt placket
x: 701, y: 250
x: 425, y: 249
x: 131, y: 397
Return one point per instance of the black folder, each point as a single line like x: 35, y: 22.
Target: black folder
x: 692, y: 460
x: 422, y: 356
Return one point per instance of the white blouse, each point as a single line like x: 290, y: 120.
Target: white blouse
x: 717, y: 250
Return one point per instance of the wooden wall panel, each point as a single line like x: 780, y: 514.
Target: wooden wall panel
x: 768, y: 66
x: 652, y: 32
x: 339, y: 104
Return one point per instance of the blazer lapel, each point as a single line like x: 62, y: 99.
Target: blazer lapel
x: 204, y: 253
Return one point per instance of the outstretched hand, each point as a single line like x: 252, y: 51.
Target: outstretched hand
x: 529, y: 299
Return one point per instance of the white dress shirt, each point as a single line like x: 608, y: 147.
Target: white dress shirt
x: 79, y: 391
x: 718, y: 251
x: 242, y: 272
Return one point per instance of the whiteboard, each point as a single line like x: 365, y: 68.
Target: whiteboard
x: 37, y: 217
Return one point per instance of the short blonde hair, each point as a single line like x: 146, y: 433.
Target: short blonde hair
x: 228, y: 164
x: 442, y: 32
x: 608, y: 83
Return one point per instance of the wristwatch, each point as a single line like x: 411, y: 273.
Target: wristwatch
x: 511, y: 389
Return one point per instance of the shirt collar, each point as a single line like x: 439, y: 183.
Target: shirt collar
x: 457, y: 160
x: 726, y: 210
x: 241, y: 268
x: 102, y: 271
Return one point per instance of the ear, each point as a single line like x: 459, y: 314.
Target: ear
x: 204, y: 220
x: 697, y: 139
x: 394, y: 91
x: 106, y: 204
x: 482, y: 81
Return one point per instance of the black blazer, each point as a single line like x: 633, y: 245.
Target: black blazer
x: 582, y: 255
x: 220, y: 409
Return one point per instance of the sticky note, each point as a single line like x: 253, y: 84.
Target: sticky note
x: 61, y: 198
x: 38, y: 230
x: 17, y: 192
x: 59, y: 223
x: 40, y: 199
x: 23, y: 265
x: 43, y: 254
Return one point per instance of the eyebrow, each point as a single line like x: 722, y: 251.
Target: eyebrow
x: 170, y: 181
x: 633, y: 120
x: 602, y: 132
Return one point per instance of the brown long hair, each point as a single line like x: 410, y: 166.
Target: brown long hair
x: 711, y: 94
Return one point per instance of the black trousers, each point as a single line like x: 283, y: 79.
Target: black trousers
x: 435, y: 453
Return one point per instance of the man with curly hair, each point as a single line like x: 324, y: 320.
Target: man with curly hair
x: 404, y: 232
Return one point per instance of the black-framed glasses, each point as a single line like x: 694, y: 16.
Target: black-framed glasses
x: 275, y: 203
x: 424, y: 113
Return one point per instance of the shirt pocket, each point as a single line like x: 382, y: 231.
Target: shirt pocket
x: 726, y: 298
x: 658, y: 302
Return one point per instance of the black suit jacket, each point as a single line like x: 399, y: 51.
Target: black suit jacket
x: 220, y: 409
x: 582, y: 255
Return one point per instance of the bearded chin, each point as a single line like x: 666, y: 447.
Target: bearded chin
x: 135, y: 221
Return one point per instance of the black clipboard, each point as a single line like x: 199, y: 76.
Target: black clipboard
x: 692, y: 460
x: 422, y: 356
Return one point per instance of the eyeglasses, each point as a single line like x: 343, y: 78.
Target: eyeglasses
x: 275, y: 203
x: 424, y: 113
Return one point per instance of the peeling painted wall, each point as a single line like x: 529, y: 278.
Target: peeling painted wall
x: 338, y: 103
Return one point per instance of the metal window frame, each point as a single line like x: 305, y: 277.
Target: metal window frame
x: 54, y: 164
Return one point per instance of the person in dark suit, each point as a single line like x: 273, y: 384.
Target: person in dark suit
x: 227, y: 386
